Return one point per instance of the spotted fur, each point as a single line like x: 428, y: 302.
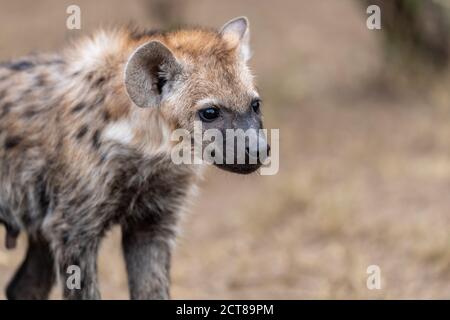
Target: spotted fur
x: 77, y: 156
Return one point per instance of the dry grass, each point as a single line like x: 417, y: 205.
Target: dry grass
x: 365, y: 166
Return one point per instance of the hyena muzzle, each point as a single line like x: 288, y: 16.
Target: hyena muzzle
x: 85, y: 145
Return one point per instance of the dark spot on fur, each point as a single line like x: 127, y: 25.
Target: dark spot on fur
x: 100, y: 81
x: 56, y: 61
x: 106, y: 116
x: 65, y: 238
x: 6, y: 109
x: 80, y: 106
x: 102, y: 159
x: 96, y: 139
x: 89, y: 76
x: 54, y: 196
x: 40, y: 80
x: 42, y: 193
x: 12, y: 141
x: 82, y: 132
x: 21, y: 65
x: 30, y: 113
x: 100, y: 99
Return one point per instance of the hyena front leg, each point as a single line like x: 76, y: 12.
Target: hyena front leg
x: 82, y: 255
x: 35, y: 277
x: 147, y: 254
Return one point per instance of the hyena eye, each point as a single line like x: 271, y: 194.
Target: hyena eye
x: 256, y: 104
x: 209, y: 114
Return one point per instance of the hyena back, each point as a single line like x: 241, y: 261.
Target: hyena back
x: 84, y: 145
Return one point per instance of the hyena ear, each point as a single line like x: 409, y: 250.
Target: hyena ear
x: 237, y: 33
x: 147, y: 73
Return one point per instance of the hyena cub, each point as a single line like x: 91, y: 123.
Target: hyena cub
x: 85, y: 144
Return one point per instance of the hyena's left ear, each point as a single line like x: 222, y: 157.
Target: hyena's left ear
x: 147, y: 73
x: 237, y: 33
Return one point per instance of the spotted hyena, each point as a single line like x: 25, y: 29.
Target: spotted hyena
x: 85, y: 144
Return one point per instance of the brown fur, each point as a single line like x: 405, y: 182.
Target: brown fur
x: 77, y: 156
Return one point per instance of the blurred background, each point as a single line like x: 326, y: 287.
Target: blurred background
x: 364, y: 119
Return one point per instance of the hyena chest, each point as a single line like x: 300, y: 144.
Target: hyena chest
x: 124, y: 188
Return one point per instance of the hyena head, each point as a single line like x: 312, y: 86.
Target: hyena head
x: 201, y: 77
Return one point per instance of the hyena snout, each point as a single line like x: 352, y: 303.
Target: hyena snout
x: 247, y: 153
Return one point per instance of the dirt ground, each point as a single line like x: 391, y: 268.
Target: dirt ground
x: 365, y: 161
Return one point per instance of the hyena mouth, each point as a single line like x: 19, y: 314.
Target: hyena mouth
x: 239, y: 168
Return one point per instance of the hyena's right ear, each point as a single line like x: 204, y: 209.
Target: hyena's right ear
x: 148, y: 70
x: 237, y: 32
